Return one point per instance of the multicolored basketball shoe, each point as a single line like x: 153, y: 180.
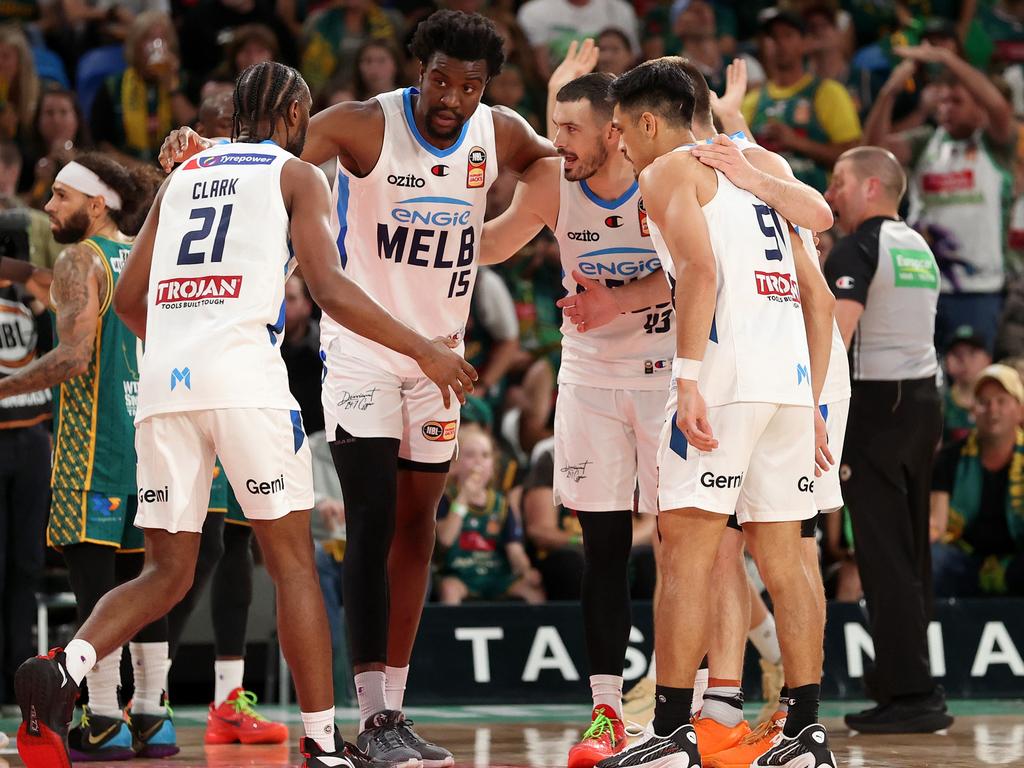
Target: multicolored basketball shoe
x: 344, y: 755
x: 236, y: 720
x: 155, y: 736
x: 99, y: 738
x: 808, y: 749
x: 46, y: 694
x: 677, y: 750
x: 605, y: 737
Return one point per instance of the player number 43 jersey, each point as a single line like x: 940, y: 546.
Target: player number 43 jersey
x: 216, y: 287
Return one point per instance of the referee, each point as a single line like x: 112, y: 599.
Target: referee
x: 886, y: 284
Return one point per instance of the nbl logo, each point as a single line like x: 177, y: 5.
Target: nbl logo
x: 476, y: 168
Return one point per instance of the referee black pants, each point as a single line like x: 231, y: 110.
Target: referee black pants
x: 893, y: 431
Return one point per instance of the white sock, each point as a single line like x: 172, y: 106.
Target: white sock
x: 766, y: 640
x: 81, y: 657
x: 607, y: 690
x: 394, y: 686
x: 104, y: 679
x: 700, y: 684
x: 652, y: 670
x: 727, y: 713
x: 319, y: 727
x: 370, y: 688
x: 228, y: 673
x: 150, y: 663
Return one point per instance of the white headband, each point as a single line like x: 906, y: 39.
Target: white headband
x: 77, y: 176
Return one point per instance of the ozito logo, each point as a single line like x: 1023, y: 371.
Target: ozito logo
x: 476, y: 168
x: 440, y: 431
x: 777, y: 286
x: 439, y: 170
x: 586, y: 236
x: 613, y: 221
x: 229, y: 158
x: 406, y: 181
x: 209, y: 289
x: 182, y: 376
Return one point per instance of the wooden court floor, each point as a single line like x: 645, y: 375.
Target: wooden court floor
x: 985, y: 734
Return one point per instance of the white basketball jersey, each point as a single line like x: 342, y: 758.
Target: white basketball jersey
x: 757, y: 350
x: 216, y: 286
x: 609, y: 241
x: 409, y: 231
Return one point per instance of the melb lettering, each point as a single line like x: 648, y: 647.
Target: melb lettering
x: 209, y: 289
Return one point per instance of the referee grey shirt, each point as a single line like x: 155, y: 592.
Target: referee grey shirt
x: 889, y: 268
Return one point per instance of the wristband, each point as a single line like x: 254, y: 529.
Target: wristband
x: 683, y: 368
x: 460, y: 509
x: 15, y: 270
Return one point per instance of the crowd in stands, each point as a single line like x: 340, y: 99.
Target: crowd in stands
x: 939, y: 82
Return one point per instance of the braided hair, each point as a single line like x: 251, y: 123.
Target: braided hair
x: 263, y: 94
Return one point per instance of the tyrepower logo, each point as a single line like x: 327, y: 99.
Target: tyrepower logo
x: 777, y: 286
x: 231, y: 158
x: 197, y: 291
x: 440, y: 431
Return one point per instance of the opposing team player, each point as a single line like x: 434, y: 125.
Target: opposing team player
x: 613, y: 381
x: 753, y: 336
x: 205, y: 287
x: 414, y: 167
x: 96, y: 205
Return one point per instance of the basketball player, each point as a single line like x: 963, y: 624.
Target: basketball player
x: 750, y: 447
x: 414, y: 167
x: 612, y: 382
x: 94, y: 370
x: 205, y: 288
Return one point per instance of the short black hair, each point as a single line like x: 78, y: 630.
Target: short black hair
x: 701, y: 90
x: 460, y: 35
x: 595, y: 88
x: 263, y: 93
x: 660, y: 86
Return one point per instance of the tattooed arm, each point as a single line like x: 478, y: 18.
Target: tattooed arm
x: 76, y: 292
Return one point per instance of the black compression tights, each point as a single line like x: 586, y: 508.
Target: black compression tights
x: 607, y: 539
x: 225, y: 553
x: 368, y: 470
x: 94, y: 570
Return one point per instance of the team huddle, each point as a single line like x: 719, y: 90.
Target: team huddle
x: 715, y: 393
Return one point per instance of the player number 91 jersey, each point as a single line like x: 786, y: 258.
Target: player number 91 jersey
x: 757, y: 351
x: 409, y: 231
x: 216, y: 286
x: 609, y: 241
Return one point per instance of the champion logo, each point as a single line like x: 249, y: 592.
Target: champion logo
x: 844, y: 283
x: 613, y: 221
x: 439, y: 170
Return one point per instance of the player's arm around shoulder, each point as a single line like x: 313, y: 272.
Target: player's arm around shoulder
x: 131, y: 297
x: 352, y: 131
x: 535, y: 204
x: 517, y: 143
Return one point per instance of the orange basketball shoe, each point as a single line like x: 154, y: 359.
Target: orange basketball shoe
x: 236, y: 719
x: 605, y: 737
x: 751, y: 747
x: 714, y: 737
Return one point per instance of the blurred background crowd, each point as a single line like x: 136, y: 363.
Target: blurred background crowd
x: 936, y: 81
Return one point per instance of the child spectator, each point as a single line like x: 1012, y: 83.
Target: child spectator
x: 479, y: 535
x: 966, y: 358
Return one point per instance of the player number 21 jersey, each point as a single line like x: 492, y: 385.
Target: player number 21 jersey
x: 609, y: 241
x: 757, y: 351
x: 216, y: 287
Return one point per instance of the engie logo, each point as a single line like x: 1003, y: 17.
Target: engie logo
x: 613, y: 221
x: 194, y: 291
x: 183, y: 376
x: 777, y: 286
x: 439, y: 431
x: 228, y: 158
x: 439, y: 170
x: 476, y: 168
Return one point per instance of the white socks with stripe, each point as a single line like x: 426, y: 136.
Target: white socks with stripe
x: 104, y: 679
x: 394, y: 686
x: 150, y: 662
x: 228, y: 674
x: 607, y: 690
x: 319, y: 726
